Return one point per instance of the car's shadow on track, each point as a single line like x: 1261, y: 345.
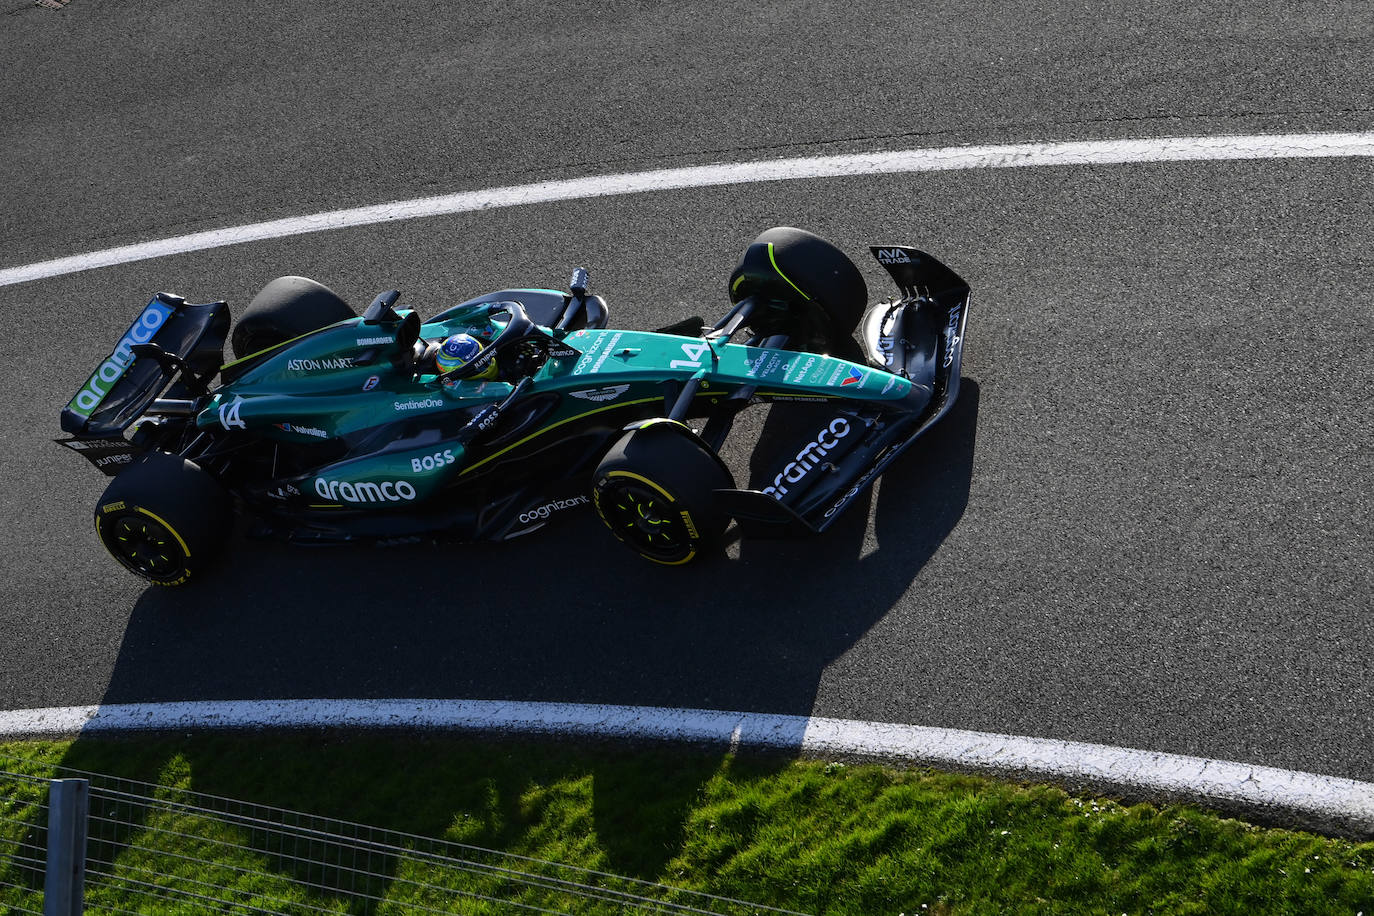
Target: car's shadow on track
x: 566, y: 614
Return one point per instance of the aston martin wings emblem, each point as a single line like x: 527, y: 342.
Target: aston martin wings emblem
x: 609, y: 393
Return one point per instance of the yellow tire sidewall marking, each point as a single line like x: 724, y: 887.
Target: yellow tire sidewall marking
x: 186, y: 551
x: 668, y: 496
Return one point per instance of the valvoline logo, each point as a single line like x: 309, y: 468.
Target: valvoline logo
x: 855, y: 378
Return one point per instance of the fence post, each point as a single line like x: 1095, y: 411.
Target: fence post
x: 63, y: 885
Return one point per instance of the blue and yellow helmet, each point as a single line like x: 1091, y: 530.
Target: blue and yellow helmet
x: 459, y: 350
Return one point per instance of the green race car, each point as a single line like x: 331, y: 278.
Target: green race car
x: 329, y: 428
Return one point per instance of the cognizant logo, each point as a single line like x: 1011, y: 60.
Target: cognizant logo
x: 390, y: 491
x: 542, y: 512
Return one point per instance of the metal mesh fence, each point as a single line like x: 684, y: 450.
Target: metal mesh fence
x: 160, y: 849
x: 23, y: 843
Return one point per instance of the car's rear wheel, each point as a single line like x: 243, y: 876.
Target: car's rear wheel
x: 286, y: 308
x: 654, y: 490
x: 163, y: 518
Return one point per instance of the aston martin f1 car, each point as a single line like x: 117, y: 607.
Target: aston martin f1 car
x: 329, y: 427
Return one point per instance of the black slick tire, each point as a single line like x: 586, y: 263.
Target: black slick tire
x: 284, y: 309
x: 806, y: 271
x: 653, y: 490
x: 164, y: 519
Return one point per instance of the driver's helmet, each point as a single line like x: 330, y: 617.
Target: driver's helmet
x: 458, y: 351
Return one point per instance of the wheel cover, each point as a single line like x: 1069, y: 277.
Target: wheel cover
x: 647, y: 519
x: 148, y: 546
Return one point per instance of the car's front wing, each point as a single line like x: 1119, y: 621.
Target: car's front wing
x: 919, y: 337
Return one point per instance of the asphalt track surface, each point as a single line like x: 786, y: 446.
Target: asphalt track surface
x: 1146, y: 524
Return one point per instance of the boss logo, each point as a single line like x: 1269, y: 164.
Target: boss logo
x: 430, y: 462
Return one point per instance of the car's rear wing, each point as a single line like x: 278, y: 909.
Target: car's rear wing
x: 185, y: 338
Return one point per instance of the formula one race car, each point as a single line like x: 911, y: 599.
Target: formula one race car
x: 330, y: 428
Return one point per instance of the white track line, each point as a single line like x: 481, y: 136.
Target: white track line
x: 1086, y: 152
x: 1266, y: 794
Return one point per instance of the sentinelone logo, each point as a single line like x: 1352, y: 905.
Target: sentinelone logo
x: 417, y: 405
x: 1014, y: 155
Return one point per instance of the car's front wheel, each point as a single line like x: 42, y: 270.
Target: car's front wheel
x: 655, y: 490
x: 163, y: 518
x: 807, y: 288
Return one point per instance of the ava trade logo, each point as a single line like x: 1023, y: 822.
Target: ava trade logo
x: 855, y: 378
x: 98, y: 386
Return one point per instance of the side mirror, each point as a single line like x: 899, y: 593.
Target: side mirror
x: 383, y: 308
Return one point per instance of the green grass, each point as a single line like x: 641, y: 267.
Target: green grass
x: 804, y: 835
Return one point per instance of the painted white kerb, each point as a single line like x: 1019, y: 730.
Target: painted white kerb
x: 1266, y: 793
x: 1084, y: 152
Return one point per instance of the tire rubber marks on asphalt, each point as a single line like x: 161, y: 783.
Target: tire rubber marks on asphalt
x: 1017, y: 155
